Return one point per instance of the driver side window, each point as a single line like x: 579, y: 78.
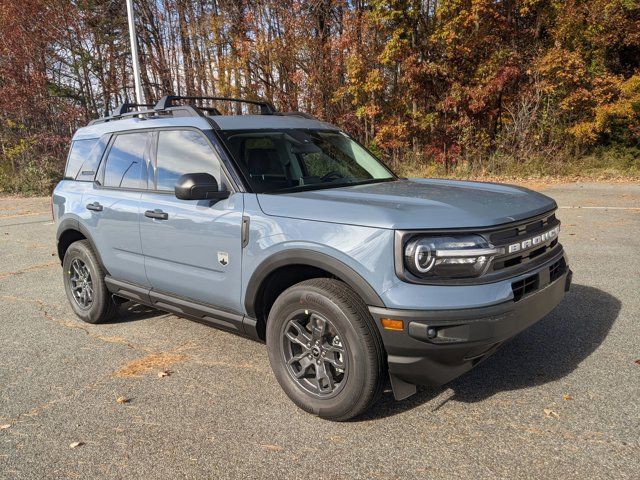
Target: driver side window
x: 180, y: 152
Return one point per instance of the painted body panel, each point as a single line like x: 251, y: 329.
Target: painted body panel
x: 67, y: 199
x: 368, y: 251
x: 181, y: 253
x: 412, y: 204
x: 251, y: 122
x: 115, y: 231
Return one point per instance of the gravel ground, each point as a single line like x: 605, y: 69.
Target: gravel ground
x: 559, y: 401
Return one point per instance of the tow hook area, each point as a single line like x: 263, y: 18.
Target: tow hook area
x: 401, y: 389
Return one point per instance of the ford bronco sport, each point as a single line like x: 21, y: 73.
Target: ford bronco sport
x: 282, y: 228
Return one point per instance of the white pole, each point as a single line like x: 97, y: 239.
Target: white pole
x: 134, y: 52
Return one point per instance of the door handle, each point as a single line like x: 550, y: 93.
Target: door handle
x: 157, y: 214
x: 95, y: 207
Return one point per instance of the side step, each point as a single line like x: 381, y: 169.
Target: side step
x: 199, y: 312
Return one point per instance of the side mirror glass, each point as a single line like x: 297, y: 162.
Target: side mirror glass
x: 198, y: 186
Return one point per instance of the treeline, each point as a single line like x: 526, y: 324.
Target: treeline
x: 471, y: 86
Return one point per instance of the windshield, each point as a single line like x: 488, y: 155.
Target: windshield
x: 289, y: 160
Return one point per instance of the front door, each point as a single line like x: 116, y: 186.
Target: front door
x: 192, y: 248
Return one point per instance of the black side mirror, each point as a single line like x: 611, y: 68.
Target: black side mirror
x: 198, y: 186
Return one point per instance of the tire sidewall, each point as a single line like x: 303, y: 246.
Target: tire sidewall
x: 80, y: 251
x: 310, y: 298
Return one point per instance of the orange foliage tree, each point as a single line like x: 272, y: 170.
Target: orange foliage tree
x: 448, y: 81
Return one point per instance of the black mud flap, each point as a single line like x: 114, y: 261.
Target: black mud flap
x: 401, y: 389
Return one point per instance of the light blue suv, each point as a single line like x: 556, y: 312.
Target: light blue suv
x: 282, y: 228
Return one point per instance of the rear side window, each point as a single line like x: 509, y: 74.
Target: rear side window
x: 183, y: 151
x: 125, y: 163
x: 84, y: 157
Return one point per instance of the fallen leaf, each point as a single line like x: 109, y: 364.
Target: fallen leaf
x: 567, y: 397
x: 273, y: 448
x: 4, y: 427
x: 76, y: 444
x: 123, y: 400
x: 550, y: 413
x: 164, y: 373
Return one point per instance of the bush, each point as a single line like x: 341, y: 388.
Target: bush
x: 24, y: 169
x: 604, y: 163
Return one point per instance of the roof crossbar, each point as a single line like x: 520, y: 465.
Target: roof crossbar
x: 167, y: 101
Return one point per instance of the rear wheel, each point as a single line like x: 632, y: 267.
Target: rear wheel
x: 84, y: 283
x: 325, y: 350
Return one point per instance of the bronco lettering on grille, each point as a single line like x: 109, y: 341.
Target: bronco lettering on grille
x: 533, y: 241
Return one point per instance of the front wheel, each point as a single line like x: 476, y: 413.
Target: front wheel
x: 325, y: 350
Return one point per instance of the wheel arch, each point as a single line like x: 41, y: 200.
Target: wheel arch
x: 70, y: 230
x: 293, y: 266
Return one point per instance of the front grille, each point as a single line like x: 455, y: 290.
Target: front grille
x: 514, y: 234
x: 525, y: 286
x: 524, y: 230
x: 503, y: 262
x: 557, y: 270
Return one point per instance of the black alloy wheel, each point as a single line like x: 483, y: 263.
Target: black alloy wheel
x: 325, y: 349
x: 81, y: 283
x: 84, y: 284
x: 315, y: 354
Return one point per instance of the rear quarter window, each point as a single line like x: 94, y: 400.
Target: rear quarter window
x: 84, y: 157
x: 125, y: 163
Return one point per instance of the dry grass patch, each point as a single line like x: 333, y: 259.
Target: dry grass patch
x: 152, y: 362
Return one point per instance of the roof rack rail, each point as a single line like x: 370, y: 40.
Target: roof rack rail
x: 128, y: 107
x: 167, y: 101
x: 124, y: 110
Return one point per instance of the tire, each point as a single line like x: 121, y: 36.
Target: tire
x: 351, y: 341
x: 97, y: 306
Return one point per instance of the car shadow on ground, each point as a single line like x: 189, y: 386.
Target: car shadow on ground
x: 548, y: 351
x: 131, y: 312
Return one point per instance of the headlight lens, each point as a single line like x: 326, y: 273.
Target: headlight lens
x: 448, y: 256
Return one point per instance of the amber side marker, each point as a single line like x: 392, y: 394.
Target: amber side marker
x: 390, y: 324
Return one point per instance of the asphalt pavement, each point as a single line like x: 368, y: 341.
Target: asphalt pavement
x: 151, y: 395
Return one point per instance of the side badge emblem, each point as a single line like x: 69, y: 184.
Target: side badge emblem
x: 223, y: 258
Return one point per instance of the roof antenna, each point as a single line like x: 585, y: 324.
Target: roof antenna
x: 134, y: 52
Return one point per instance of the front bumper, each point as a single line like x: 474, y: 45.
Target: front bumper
x: 436, y: 346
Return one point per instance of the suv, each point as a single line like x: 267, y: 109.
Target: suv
x: 282, y: 228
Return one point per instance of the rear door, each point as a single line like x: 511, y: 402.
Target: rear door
x: 194, y: 251
x: 112, y: 206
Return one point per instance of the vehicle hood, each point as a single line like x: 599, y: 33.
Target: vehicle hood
x: 412, y: 204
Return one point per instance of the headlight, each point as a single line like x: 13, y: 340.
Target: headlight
x: 448, y: 256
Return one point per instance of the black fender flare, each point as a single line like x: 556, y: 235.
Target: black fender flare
x: 72, y: 223
x: 311, y: 258
x: 69, y: 223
